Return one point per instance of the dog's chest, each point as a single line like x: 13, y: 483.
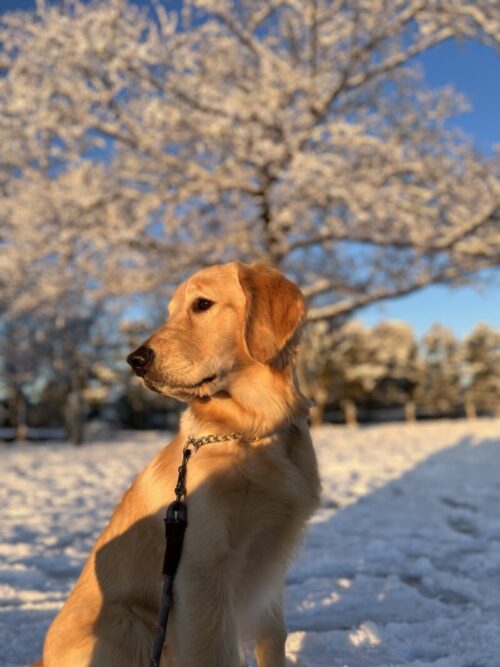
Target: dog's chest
x: 262, y: 496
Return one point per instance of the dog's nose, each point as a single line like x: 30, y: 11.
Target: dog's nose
x: 141, y: 359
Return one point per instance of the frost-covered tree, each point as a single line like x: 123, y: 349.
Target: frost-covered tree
x: 41, y: 349
x: 18, y: 348
x: 339, y: 367
x: 354, y: 364
x: 395, y: 353
x: 315, y: 367
x: 482, y: 370
x: 295, y: 129
x: 439, y: 388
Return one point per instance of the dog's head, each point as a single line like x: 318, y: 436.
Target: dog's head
x: 221, y: 321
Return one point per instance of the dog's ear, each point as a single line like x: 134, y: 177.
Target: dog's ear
x: 275, y: 311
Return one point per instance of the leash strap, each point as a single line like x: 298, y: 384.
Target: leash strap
x: 175, y: 527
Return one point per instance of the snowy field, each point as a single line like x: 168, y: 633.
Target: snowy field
x: 401, y: 565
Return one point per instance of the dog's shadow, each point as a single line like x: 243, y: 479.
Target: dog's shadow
x: 126, y: 626
x: 393, y: 577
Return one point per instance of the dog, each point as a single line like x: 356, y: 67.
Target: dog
x: 228, y: 351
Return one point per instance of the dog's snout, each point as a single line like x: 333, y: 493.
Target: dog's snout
x: 141, y: 359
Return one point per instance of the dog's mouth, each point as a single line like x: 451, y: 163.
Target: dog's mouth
x: 194, y: 385
x: 168, y: 385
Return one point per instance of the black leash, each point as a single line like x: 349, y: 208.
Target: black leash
x: 175, y: 527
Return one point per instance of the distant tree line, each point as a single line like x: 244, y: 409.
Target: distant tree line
x: 348, y: 372
x: 56, y: 384
x: 355, y: 368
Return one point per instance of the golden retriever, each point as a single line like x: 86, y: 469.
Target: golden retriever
x: 228, y: 351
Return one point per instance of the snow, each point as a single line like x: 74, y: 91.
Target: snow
x: 401, y: 564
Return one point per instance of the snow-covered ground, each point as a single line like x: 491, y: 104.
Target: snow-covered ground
x: 401, y: 565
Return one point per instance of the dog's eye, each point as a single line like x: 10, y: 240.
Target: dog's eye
x: 199, y: 305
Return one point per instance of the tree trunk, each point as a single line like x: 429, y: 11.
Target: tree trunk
x: 350, y: 412
x: 75, y: 411
x: 20, y: 417
x: 74, y: 418
x: 470, y: 408
x: 317, y: 414
x: 410, y: 412
x: 272, y: 241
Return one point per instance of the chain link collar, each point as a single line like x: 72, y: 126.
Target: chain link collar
x: 193, y: 445
x: 196, y: 443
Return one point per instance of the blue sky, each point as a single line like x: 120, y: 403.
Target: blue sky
x: 474, y: 70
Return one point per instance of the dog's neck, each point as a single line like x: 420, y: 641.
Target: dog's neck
x: 260, y: 402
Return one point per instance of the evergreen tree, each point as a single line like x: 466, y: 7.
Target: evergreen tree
x: 482, y: 371
x: 439, y: 391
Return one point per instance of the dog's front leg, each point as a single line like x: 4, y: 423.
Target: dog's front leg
x: 271, y: 635
x: 204, y: 620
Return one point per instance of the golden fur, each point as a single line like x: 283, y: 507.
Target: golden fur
x: 248, y: 501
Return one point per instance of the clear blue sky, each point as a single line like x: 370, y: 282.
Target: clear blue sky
x: 474, y: 70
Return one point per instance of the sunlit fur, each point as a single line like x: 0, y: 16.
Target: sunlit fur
x: 248, y: 500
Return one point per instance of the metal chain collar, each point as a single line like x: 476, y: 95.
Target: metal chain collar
x: 194, y: 444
